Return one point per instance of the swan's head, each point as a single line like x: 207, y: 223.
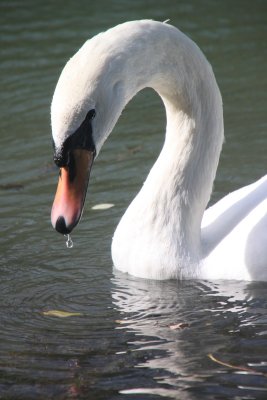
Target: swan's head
x: 95, y: 85
x: 87, y: 102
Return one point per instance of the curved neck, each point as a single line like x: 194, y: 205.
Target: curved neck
x: 170, y: 63
x: 175, y: 194
x: 181, y: 180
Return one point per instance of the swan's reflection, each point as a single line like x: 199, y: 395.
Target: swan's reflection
x: 177, y: 324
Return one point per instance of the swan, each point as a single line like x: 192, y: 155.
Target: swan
x: 165, y: 233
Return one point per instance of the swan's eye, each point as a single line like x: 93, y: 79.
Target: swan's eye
x: 91, y: 114
x: 82, y: 138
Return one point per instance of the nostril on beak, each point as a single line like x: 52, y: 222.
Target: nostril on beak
x: 61, y: 226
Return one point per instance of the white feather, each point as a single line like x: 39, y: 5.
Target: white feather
x: 160, y: 235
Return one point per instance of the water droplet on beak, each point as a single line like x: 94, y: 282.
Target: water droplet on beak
x: 69, y: 242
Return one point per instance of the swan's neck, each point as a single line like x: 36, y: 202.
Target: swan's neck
x: 159, y: 235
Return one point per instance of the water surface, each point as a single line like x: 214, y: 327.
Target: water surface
x: 123, y: 338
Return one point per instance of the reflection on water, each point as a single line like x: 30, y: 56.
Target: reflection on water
x: 122, y: 337
x: 215, y: 319
x: 69, y: 327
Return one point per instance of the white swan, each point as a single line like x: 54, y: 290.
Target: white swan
x: 164, y: 233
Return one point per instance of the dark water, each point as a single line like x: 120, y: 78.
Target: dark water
x: 119, y: 341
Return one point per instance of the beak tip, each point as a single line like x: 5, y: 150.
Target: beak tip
x: 61, y: 226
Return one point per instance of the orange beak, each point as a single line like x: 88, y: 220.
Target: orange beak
x: 71, y: 191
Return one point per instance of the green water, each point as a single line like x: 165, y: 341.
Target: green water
x: 118, y: 343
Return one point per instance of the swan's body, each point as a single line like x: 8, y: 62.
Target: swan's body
x: 160, y: 235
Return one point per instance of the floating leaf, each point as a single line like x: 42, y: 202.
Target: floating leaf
x: 103, y: 206
x: 61, y: 314
x: 237, y: 367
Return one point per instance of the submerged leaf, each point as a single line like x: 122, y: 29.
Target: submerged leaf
x: 180, y: 325
x: 61, y: 314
